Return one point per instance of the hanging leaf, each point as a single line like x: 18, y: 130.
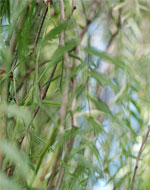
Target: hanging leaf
x: 103, y: 80
x: 100, y: 105
x: 106, y: 57
x: 59, y: 53
x: 56, y: 31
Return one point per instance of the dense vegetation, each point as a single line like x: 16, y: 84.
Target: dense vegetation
x: 74, y: 94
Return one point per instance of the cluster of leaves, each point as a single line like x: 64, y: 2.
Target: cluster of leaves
x: 71, y: 126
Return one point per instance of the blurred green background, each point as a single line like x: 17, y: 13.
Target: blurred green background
x: 73, y: 115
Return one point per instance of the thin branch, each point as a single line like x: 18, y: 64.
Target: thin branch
x: 60, y: 178
x: 54, y: 171
x: 13, y: 43
x: 3, y: 118
x: 12, y: 168
x: 74, y: 83
x: 72, y: 10
x: 90, y: 18
x: 43, y: 95
x: 4, y: 93
x: 84, y: 11
x: 118, y: 25
x: 28, y: 73
x: 62, y: 111
x: 74, y: 124
x: 138, y: 157
x: 62, y: 169
x: 36, y: 109
x: 38, y: 13
x: 31, y: 52
x: 14, y: 39
x: 39, y: 30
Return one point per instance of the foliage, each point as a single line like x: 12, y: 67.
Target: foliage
x: 74, y: 94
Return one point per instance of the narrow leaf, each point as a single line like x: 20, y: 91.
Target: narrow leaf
x: 103, y: 80
x: 7, y: 183
x: 13, y: 154
x: 100, y: 105
x: 106, y: 57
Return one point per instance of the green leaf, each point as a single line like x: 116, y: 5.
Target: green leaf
x: 46, y: 148
x: 7, y: 183
x: 44, y: 102
x: 103, y: 80
x: 16, y: 111
x: 58, y: 55
x: 76, y: 70
x: 62, y: 50
x: 95, y: 125
x: 87, y: 113
x: 57, y: 30
x: 7, y: 3
x: 106, y: 57
x: 53, y: 79
x: 77, y: 57
x: 13, y: 154
x: 48, y: 102
x: 39, y: 140
x: 100, y: 105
